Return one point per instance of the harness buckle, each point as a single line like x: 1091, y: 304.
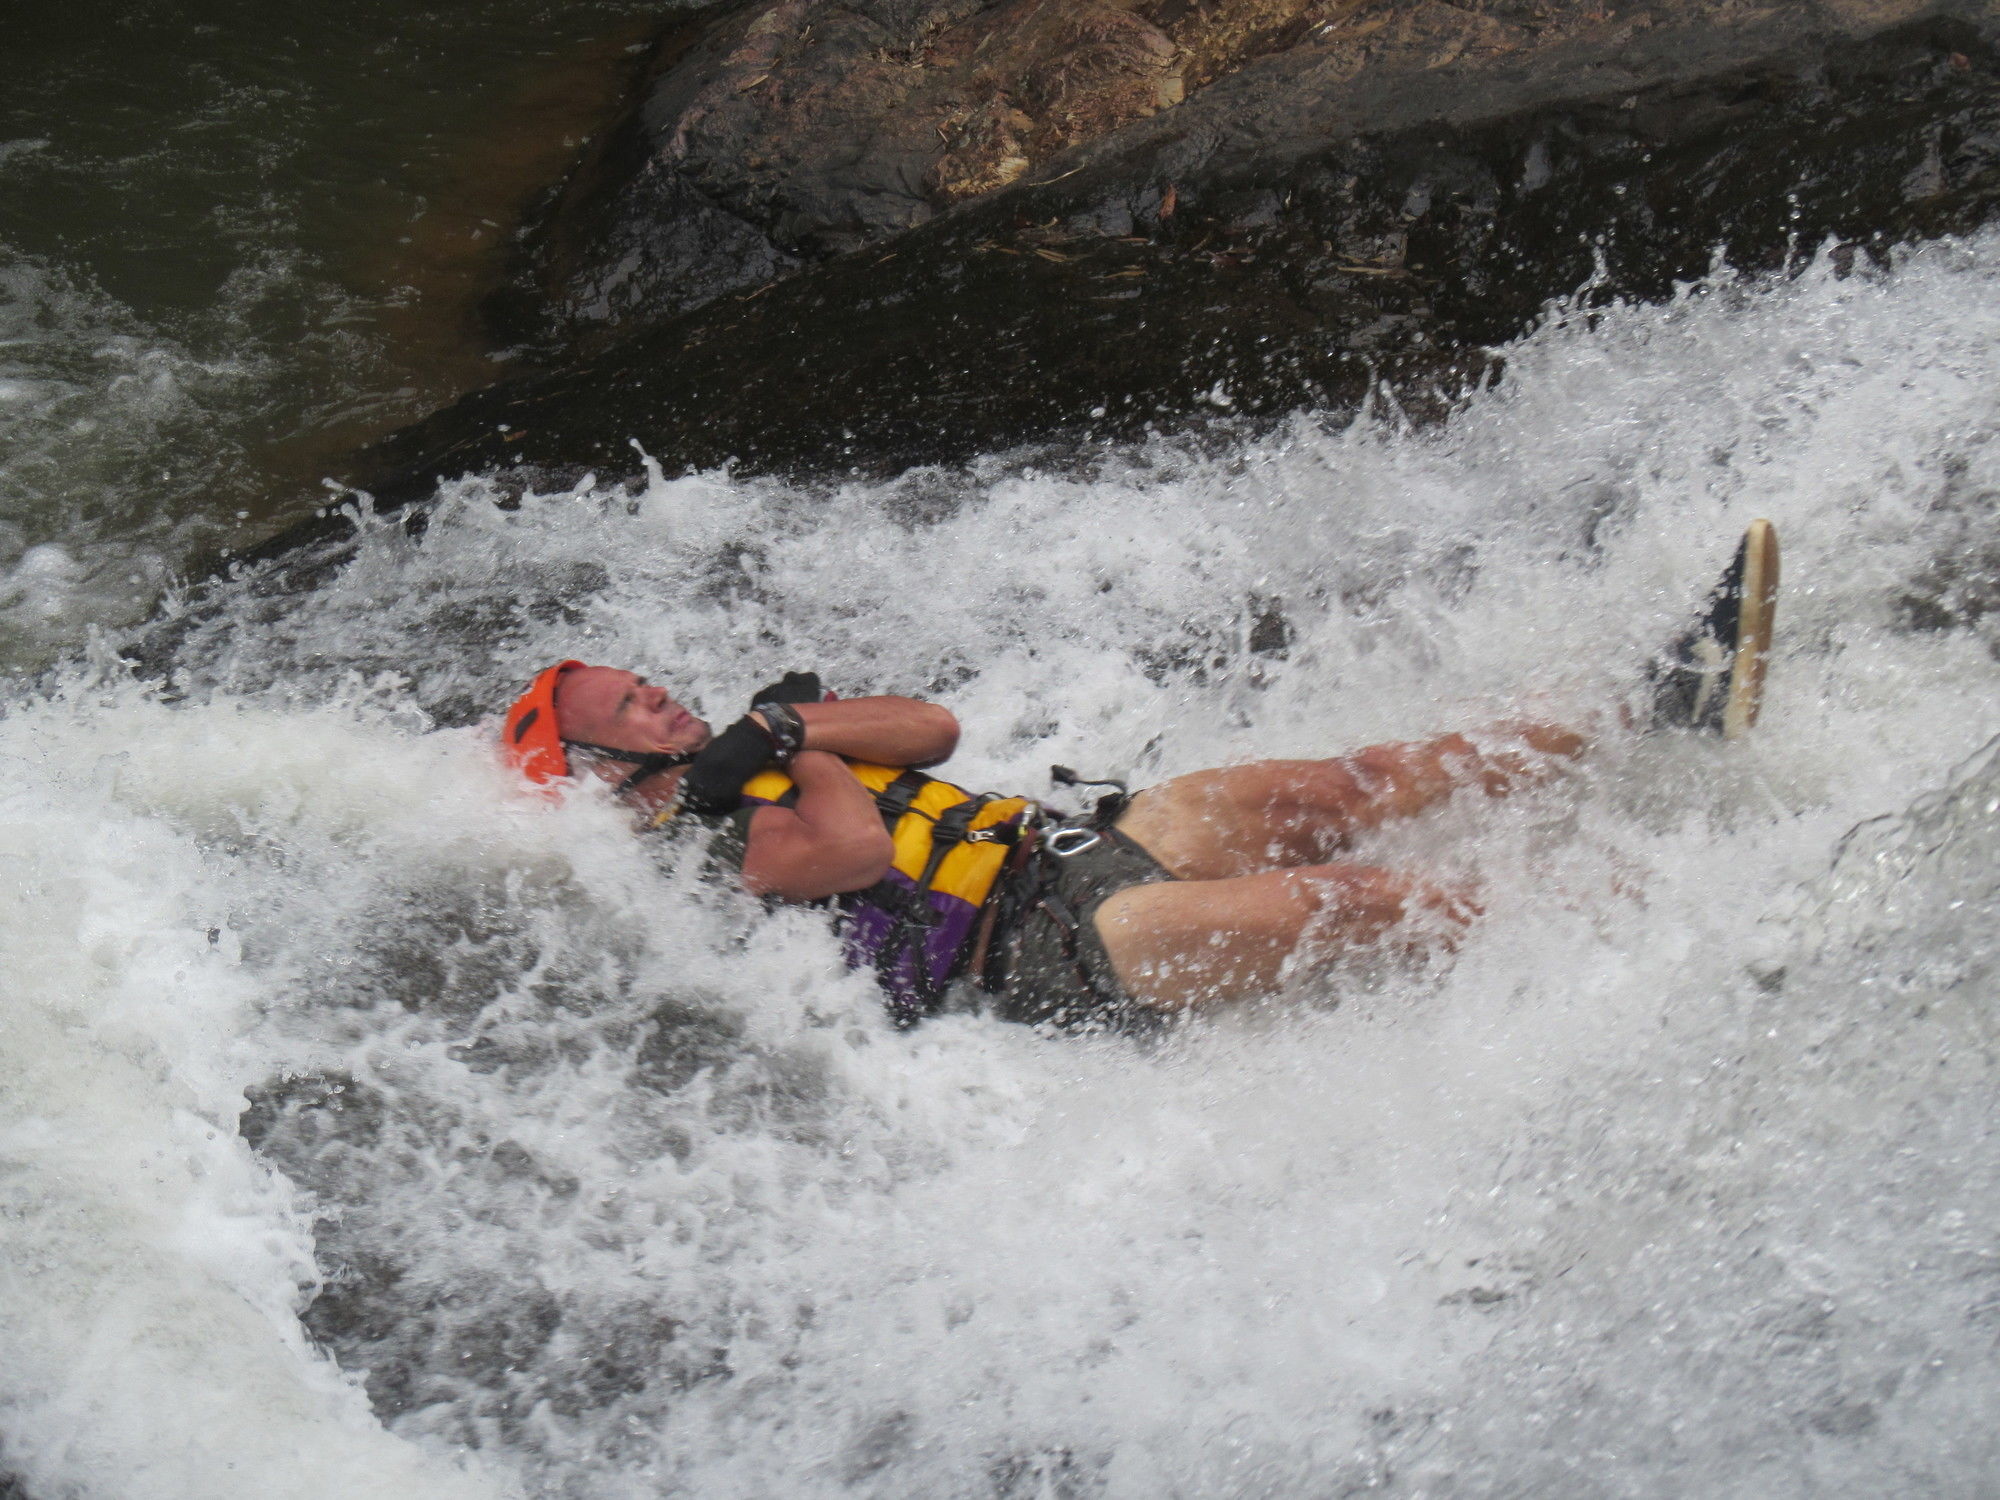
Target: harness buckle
x: 1065, y: 842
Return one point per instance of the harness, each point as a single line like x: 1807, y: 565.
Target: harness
x: 968, y: 868
x: 1034, y: 890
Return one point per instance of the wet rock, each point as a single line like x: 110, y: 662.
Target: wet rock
x: 777, y: 133
x: 1403, y: 255
x: 1399, y: 257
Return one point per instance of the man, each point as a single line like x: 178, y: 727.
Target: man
x: 1198, y: 890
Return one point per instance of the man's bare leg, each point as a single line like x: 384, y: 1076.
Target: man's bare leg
x: 1282, y: 814
x: 1181, y: 944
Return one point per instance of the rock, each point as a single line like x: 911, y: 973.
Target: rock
x: 1403, y: 256
x: 778, y: 133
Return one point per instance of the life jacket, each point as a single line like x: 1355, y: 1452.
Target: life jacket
x: 916, y: 926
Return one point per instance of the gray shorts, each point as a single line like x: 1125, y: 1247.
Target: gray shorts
x: 1058, y: 977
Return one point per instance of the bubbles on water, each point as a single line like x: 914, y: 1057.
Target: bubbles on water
x: 1779, y: 1277
x: 156, y: 1268
x: 85, y: 400
x: 629, y: 1183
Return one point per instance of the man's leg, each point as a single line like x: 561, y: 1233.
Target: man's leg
x: 1186, y: 943
x: 1279, y: 814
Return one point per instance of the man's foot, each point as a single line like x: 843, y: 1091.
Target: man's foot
x: 1712, y: 678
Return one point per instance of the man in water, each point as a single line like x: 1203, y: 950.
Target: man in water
x: 1198, y: 890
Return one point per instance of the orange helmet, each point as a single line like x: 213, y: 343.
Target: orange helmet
x: 529, y: 737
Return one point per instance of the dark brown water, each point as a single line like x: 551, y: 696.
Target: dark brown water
x: 237, y: 237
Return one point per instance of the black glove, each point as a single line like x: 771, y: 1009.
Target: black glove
x: 714, y: 780
x: 793, y: 687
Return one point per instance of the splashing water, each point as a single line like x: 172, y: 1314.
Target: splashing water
x: 593, y: 1180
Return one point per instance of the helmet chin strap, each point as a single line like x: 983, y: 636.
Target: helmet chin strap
x: 648, y: 763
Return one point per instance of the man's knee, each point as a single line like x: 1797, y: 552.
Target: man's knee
x: 1366, y: 901
x: 1352, y: 895
x: 1408, y: 777
x: 1376, y: 769
x: 1326, y: 797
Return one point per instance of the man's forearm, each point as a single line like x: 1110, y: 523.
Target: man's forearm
x: 894, y: 731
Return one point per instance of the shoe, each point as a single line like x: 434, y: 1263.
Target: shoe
x: 1712, y: 678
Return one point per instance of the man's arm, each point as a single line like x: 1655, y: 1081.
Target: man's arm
x: 889, y: 730
x: 831, y: 840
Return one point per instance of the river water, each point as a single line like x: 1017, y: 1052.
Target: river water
x: 238, y: 237
x: 371, y: 1131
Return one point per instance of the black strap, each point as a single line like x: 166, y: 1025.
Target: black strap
x: 894, y: 799
x: 786, y: 729
x: 1110, y: 807
x: 650, y: 763
x: 915, y: 915
x: 910, y: 917
x: 948, y: 830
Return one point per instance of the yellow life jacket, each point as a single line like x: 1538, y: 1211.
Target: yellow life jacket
x: 916, y: 926
x: 915, y: 807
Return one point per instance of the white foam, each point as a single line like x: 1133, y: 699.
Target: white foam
x: 635, y: 1189
x: 153, y: 1269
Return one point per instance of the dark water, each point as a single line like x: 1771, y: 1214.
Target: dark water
x: 237, y: 238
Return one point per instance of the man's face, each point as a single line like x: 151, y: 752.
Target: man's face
x: 621, y: 710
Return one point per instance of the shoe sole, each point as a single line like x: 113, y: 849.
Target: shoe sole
x: 1757, y: 612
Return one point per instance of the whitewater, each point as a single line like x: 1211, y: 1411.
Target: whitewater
x: 369, y: 1129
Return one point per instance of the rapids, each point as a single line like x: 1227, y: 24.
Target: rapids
x: 371, y: 1130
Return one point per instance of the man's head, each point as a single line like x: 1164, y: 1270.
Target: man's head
x: 574, y: 706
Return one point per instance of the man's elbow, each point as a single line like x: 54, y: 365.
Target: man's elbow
x: 872, y: 855
x: 939, y: 727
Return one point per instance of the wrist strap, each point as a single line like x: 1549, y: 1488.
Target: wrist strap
x: 785, y: 729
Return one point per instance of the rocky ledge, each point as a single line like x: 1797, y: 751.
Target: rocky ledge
x: 1352, y: 193
x: 776, y: 134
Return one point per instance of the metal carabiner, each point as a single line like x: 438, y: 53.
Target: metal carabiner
x: 1064, y: 842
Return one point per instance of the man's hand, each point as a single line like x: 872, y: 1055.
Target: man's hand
x: 714, y: 779
x: 793, y: 687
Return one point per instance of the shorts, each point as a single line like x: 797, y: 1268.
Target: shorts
x: 1059, y: 976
